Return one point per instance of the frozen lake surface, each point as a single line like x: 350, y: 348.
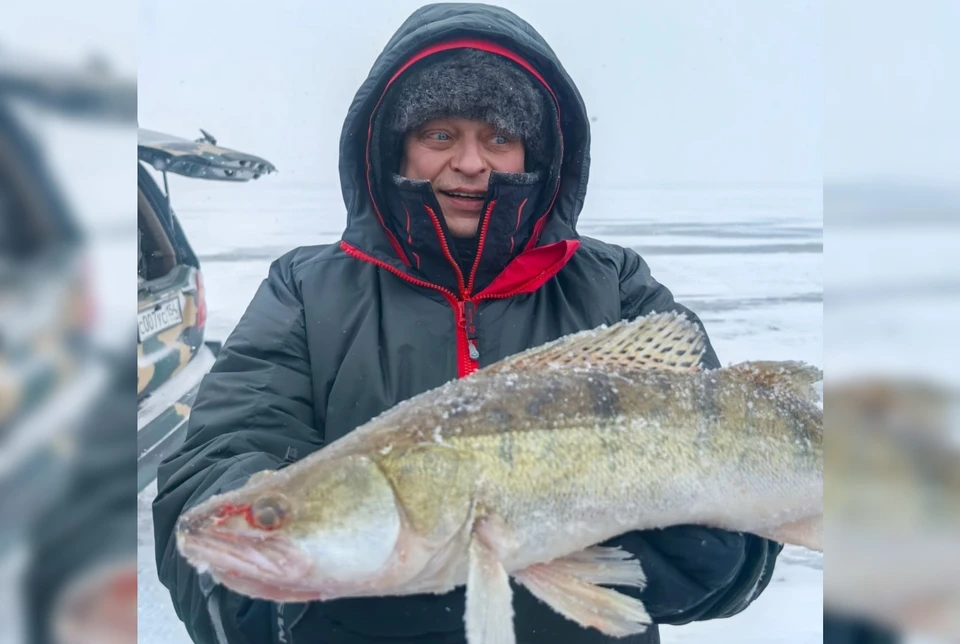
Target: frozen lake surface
x: 747, y: 259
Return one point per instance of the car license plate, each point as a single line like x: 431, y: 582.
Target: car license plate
x: 159, y: 317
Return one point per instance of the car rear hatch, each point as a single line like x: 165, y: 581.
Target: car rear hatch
x: 199, y: 159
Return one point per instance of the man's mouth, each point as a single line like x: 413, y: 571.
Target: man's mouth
x: 477, y: 196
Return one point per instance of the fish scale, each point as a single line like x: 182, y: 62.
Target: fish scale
x: 623, y: 468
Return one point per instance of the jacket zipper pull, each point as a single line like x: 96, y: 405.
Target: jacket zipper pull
x: 471, y: 328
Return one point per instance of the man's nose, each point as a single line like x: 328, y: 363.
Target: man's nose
x: 468, y: 158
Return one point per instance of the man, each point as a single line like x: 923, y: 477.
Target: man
x: 464, y: 162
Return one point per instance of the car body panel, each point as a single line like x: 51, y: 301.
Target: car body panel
x: 36, y: 459
x: 45, y: 297
x: 168, y: 271
x: 162, y: 419
x: 43, y: 349
x: 166, y: 351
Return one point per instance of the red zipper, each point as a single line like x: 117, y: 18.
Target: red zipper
x: 480, y: 243
x: 466, y: 364
x: 446, y: 250
x: 468, y: 354
x: 468, y: 357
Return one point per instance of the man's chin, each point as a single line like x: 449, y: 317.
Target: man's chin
x: 463, y: 226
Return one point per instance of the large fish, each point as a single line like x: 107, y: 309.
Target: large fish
x: 521, y: 470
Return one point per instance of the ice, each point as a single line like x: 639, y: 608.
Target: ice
x: 157, y: 622
x: 757, y: 302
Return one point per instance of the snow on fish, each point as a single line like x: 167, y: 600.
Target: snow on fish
x: 520, y: 470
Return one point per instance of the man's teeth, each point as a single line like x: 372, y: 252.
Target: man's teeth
x: 465, y: 195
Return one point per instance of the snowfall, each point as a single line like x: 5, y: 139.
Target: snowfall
x: 747, y: 259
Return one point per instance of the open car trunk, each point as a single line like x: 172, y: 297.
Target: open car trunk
x: 199, y: 159
x: 171, y: 311
x: 161, y: 244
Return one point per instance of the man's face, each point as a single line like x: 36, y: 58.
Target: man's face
x: 457, y: 156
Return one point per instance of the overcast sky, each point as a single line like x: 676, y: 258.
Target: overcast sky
x: 690, y: 90
x: 682, y: 91
x: 892, y: 96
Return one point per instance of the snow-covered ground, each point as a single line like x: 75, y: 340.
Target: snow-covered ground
x: 747, y: 259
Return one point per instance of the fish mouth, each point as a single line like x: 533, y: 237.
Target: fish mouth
x: 272, y: 560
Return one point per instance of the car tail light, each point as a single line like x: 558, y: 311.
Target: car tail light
x: 201, y: 301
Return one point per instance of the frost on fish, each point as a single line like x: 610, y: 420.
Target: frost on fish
x: 522, y: 468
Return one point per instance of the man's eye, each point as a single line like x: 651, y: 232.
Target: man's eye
x: 499, y: 139
x: 440, y: 136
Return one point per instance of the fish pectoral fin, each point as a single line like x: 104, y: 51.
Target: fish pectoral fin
x: 797, y: 378
x: 602, y: 565
x: 568, y: 586
x: 656, y: 341
x: 489, y: 602
x: 807, y: 533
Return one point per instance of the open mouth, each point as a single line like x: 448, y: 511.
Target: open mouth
x: 260, y: 558
x: 475, y: 196
x: 264, y: 569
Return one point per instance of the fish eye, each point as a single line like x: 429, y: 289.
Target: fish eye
x: 269, y: 512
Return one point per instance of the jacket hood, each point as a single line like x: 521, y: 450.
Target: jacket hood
x: 439, y: 27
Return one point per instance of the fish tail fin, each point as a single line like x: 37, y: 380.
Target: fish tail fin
x: 797, y: 378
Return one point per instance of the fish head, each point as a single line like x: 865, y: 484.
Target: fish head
x: 313, y: 531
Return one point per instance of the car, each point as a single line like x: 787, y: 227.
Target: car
x: 172, y: 353
x: 51, y: 370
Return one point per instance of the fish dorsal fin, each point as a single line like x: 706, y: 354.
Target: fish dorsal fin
x: 657, y: 341
x: 797, y: 378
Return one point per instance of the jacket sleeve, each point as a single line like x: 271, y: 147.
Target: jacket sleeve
x: 693, y: 573
x: 253, y: 411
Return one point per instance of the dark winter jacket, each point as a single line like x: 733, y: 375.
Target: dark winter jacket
x: 337, y: 334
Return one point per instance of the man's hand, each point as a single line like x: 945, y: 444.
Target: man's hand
x: 696, y: 573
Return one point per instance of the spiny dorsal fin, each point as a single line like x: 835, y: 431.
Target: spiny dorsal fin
x: 656, y: 341
x: 797, y: 378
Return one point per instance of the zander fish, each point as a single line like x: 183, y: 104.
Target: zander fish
x: 520, y: 470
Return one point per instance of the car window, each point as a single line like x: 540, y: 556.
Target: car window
x: 157, y: 254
